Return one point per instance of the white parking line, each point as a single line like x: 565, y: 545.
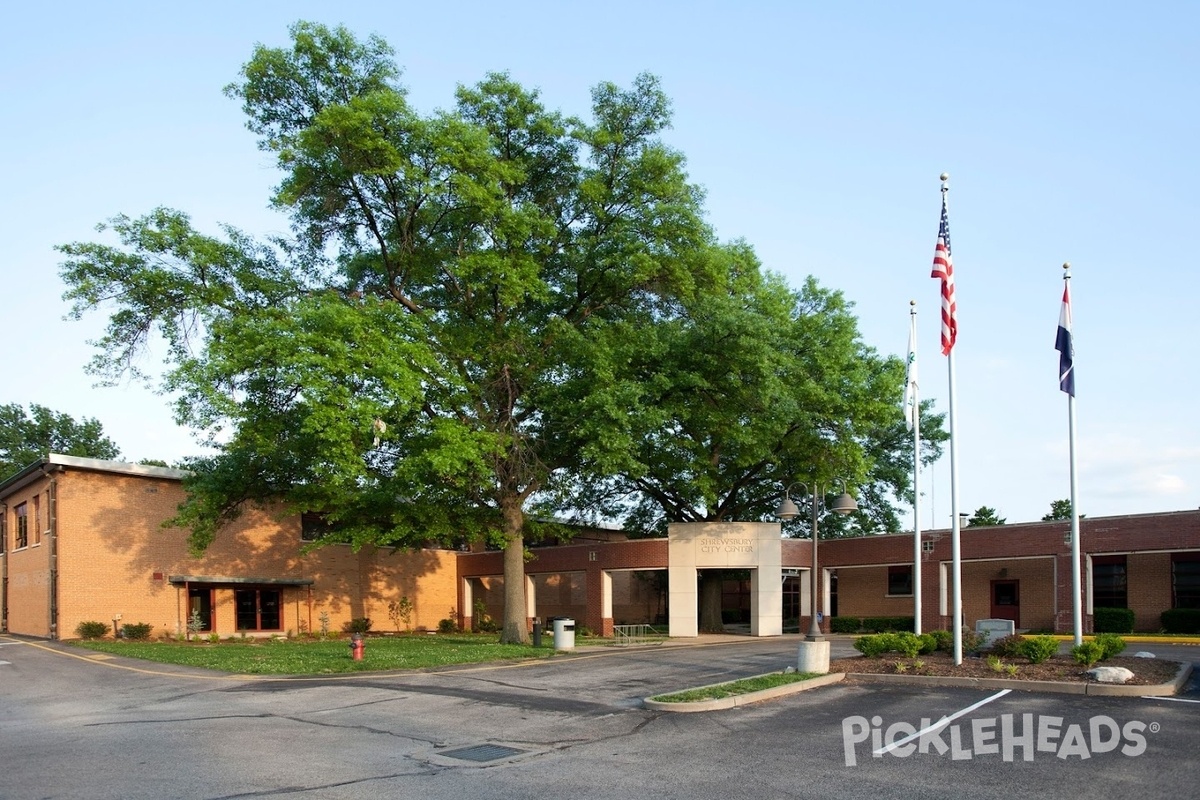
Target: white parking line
x: 1171, y: 699
x: 941, y: 723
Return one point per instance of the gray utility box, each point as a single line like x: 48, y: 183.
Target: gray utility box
x: 564, y: 633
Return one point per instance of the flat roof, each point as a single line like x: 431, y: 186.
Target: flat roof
x: 31, y: 471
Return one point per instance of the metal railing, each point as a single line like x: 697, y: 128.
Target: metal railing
x: 634, y: 634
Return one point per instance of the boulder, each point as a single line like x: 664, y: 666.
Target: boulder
x: 1109, y: 674
x: 1143, y: 654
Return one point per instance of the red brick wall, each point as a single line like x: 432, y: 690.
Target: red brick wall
x: 29, y: 567
x: 862, y: 592
x: 1148, y: 588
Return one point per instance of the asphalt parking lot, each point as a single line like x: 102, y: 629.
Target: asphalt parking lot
x: 73, y: 725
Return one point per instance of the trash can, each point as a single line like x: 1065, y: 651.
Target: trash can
x: 564, y: 633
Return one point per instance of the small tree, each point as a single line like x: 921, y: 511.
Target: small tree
x: 1059, y: 509
x: 401, y: 611
x: 985, y: 516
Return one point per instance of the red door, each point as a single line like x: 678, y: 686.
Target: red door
x: 1006, y: 601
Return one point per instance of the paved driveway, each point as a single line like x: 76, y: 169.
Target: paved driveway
x: 74, y: 726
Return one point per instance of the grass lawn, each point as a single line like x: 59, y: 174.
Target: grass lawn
x: 322, y: 657
x: 744, y: 686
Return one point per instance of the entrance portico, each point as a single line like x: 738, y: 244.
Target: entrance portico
x: 756, y: 546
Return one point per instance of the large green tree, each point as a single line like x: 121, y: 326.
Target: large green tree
x: 408, y: 360
x: 741, y: 393
x: 744, y: 392
x: 27, y: 436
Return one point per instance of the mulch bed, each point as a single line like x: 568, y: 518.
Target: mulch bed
x: 1146, y: 671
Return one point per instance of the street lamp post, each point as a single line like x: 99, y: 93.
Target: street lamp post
x: 844, y: 504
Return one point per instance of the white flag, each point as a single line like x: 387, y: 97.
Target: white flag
x: 910, y: 375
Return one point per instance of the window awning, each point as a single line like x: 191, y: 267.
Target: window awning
x: 182, y: 579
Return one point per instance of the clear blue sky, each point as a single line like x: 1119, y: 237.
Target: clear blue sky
x: 818, y: 131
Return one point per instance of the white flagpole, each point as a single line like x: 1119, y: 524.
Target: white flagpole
x: 956, y: 611
x: 1076, y: 587
x: 955, y: 550
x: 913, y: 390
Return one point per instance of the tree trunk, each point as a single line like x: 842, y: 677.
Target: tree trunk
x: 711, y: 590
x: 515, y: 622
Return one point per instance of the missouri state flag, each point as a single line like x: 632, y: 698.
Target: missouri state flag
x: 910, y: 376
x: 1066, y: 350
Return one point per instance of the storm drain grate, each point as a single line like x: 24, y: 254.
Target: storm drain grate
x: 482, y: 752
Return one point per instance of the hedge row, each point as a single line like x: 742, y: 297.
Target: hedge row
x: 1181, y: 620
x: 870, y: 624
x: 1112, y: 620
x: 1105, y: 620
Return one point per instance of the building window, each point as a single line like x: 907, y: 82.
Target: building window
x: 21, y: 534
x: 1109, y: 582
x: 312, y: 526
x: 1185, y: 580
x: 315, y: 526
x: 900, y: 580
x: 37, y: 519
x: 257, y: 609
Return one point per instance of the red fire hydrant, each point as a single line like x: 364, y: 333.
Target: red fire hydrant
x: 356, y: 647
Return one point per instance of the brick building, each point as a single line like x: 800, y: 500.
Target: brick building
x: 83, y: 540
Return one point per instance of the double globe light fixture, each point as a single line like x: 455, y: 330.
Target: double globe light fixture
x: 843, y: 504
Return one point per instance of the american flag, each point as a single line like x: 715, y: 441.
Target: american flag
x: 943, y: 267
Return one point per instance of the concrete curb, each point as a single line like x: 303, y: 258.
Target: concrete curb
x: 720, y: 703
x: 1051, y: 687
x: 1055, y: 687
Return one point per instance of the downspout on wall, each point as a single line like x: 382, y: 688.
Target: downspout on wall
x: 3, y: 567
x: 52, y: 542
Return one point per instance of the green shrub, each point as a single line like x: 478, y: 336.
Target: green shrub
x: 1112, y: 644
x: 876, y: 644
x: 1038, y: 648
x: 91, y: 630
x: 971, y: 641
x: 944, y: 640
x: 449, y: 624
x: 1008, y: 646
x: 845, y: 624
x: 482, y: 621
x: 1088, y: 653
x: 929, y: 643
x: 887, y: 624
x: 136, y: 631
x: 358, y: 625
x: 907, y: 643
x: 1181, y: 620
x: 1112, y: 620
